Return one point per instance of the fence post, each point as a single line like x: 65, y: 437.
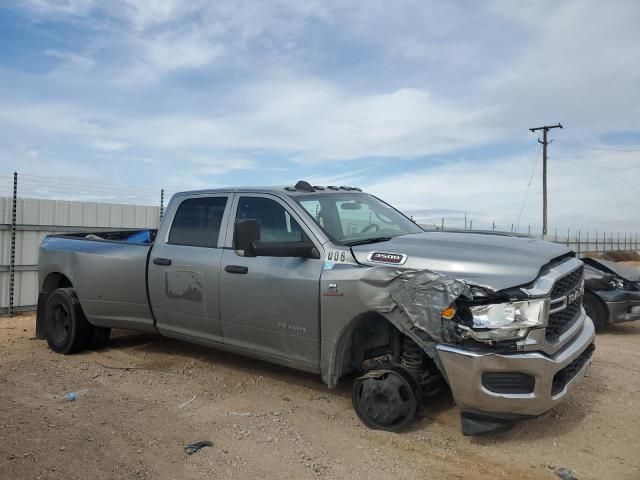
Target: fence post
x: 12, y: 255
x: 618, y: 241
x: 442, y: 224
x: 578, y: 242
x: 161, y: 203
x: 470, y: 224
x: 567, y: 237
x: 556, y: 234
x: 586, y: 249
x: 529, y: 230
x: 494, y: 225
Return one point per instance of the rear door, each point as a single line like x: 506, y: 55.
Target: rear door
x: 270, y: 304
x: 184, y: 268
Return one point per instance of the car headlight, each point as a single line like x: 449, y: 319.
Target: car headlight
x: 617, y: 283
x: 505, y: 321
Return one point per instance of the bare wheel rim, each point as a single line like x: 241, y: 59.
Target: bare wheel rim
x: 386, y: 400
x: 60, y: 323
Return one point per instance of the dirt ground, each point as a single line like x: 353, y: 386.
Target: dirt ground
x: 272, y: 422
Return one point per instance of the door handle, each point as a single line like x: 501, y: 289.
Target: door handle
x: 162, y: 261
x: 236, y: 269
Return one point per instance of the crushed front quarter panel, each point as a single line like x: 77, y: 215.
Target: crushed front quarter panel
x: 412, y: 300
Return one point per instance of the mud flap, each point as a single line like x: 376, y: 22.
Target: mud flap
x: 481, y: 423
x: 42, y: 302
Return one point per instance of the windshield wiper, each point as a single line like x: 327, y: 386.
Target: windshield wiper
x: 367, y: 240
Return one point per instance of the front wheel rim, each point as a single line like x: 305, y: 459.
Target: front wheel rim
x: 384, y: 401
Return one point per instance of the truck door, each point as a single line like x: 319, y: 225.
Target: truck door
x: 270, y: 304
x: 184, y: 268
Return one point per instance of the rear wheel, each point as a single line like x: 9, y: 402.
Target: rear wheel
x: 386, y: 398
x: 66, y: 328
x: 594, y: 308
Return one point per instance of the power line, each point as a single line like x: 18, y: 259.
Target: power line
x: 605, y: 174
x: 578, y: 143
x: 586, y: 178
x: 526, y: 193
x: 607, y: 167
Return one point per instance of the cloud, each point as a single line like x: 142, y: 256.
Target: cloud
x: 59, y: 7
x: 212, y: 165
x: 109, y: 145
x: 81, y: 61
x: 169, y: 52
x: 587, y: 189
x: 329, y: 90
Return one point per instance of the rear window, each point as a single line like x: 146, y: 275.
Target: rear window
x: 197, y: 222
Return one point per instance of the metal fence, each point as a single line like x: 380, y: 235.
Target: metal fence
x: 599, y: 242
x: 580, y: 240
x: 32, y: 207
x: 24, y: 222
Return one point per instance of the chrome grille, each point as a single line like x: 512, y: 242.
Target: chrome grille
x: 567, y: 283
x: 561, y: 321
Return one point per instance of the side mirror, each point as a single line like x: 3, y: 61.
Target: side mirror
x: 283, y: 249
x: 245, y: 232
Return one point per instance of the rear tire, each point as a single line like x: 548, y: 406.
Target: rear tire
x: 66, y: 328
x: 594, y: 308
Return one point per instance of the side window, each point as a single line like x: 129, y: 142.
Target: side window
x: 276, y: 225
x: 314, y: 208
x: 197, y: 222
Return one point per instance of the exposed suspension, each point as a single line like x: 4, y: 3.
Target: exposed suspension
x: 414, y: 360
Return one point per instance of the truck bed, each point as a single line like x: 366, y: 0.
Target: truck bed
x: 108, y: 271
x: 127, y: 236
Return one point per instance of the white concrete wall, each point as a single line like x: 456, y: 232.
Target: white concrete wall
x: 37, y: 218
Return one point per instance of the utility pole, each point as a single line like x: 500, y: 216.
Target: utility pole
x: 545, y: 129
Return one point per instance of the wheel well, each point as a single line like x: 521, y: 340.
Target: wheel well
x: 368, y: 336
x: 372, y: 339
x: 55, y: 280
x: 599, y: 301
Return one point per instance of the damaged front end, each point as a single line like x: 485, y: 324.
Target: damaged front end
x: 506, y: 355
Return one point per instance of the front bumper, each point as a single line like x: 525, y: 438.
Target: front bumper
x: 623, y: 306
x: 554, y: 375
x: 624, y: 311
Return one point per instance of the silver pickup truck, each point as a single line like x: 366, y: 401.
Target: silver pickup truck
x: 334, y: 281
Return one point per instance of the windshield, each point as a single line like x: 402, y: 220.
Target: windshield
x: 349, y: 218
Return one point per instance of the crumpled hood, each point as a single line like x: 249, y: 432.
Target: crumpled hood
x: 628, y: 273
x: 496, y: 261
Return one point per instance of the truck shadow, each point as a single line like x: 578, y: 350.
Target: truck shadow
x: 627, y: 329
x: 164, y: 353
x: 157, y: 352
x: 564, y: 418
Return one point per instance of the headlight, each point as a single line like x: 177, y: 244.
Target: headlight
x: 503, y: 321
x: 617, y: 283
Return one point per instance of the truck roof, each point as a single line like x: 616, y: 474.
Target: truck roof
x: 300, y: 188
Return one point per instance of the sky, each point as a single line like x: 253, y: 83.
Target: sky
x: 425, y: 104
